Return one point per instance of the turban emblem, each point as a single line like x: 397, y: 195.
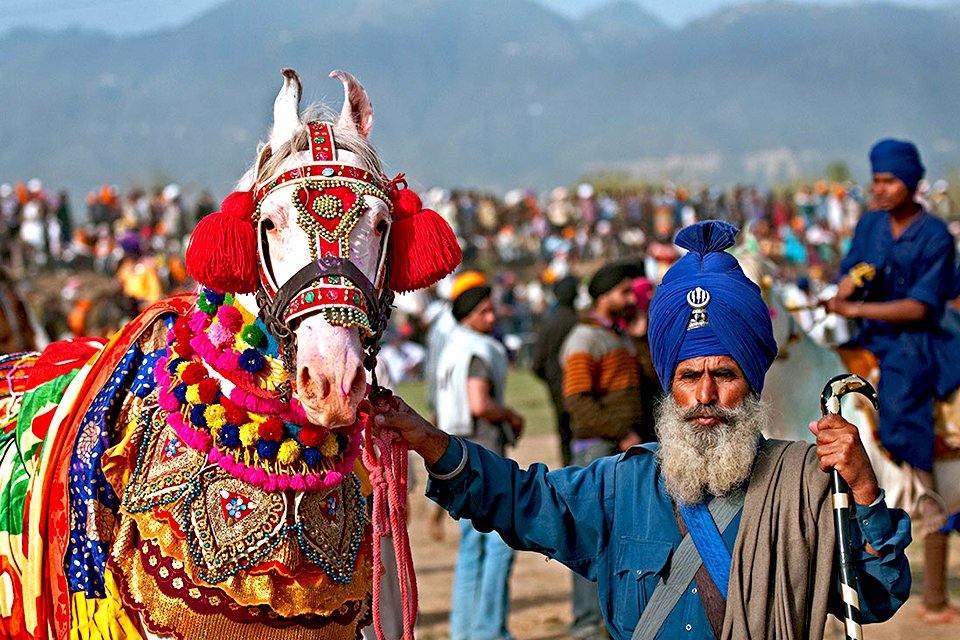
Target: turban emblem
x: 698, y: 299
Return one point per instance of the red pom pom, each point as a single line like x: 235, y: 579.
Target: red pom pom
x: 233, y: 413
x: 271, y: 429
x: 423, y: 248
x: 208, y: 390
x: 311, y: 436
x: 194, y: 373
x: 222, y: 254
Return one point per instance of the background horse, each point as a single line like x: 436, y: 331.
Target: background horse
x: 795, y: 381
x: 199, y: 475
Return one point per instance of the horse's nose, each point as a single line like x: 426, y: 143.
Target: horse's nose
x: 331, y: 404
x: 312, y: 388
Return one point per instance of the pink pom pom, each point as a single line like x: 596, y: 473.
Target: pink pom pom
x: 198, y: 322
x: 167, y: 401
x: 332, y: 479
x: 220, y: 335
x: 230, y: 318
x: 298, y: 482
x: 258, y: 477
x: 214, y: 455
x: 314, y: 482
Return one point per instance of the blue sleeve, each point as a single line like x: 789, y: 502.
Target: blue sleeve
x: 883, y: 582
x: 557, y: 513
x: 938, y: 269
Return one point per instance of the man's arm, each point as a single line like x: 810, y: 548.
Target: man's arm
x: 894, y: 311
x: 483, y: 405
x: 879, y: 535
x: 558, y: 513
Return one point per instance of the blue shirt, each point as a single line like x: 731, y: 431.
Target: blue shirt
x: 613, y: 522
x: 920, y: 265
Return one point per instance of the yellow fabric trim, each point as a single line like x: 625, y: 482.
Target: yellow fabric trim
x: 102, y: 618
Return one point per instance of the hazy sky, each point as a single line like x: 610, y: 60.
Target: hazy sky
x: 132, y: 16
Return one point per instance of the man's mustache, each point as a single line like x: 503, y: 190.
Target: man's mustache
x: 709, y: 411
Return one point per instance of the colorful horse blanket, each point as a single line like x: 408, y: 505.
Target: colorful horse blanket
x: 111, y: 527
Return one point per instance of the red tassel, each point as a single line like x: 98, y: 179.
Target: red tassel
x: 423, y: 248
x: 222, y: 254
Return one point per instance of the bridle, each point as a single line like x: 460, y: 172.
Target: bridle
x: 329, y: 198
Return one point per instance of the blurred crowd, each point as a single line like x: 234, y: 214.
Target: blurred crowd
x: 121, y: 252
x: 523, y: 240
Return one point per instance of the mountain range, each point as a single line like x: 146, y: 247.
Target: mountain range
x: 491, y: 94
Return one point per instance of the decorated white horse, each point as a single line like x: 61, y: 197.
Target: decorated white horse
x: 796, y: 379
x: 202, y: 474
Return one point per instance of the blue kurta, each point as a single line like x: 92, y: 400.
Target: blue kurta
x: 613, y: 522
x: 917, y: 359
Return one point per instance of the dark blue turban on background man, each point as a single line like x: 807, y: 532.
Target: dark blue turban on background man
x: 900, y: 158
x: 706, y: 306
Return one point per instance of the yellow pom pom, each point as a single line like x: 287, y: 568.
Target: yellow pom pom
x: 180, y: 368
x: 329, y: 446
x: 193, y: 394
x: 289, y: 452
x: 215, y: 415
x: 249, y: 434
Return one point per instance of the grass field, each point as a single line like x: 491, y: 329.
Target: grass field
x: 526, y: 394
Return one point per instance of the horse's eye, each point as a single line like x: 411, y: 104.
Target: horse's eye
x: 381, y: 227
x: 268, y: 224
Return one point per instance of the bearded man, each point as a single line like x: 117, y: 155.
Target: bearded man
x: 758, y: 509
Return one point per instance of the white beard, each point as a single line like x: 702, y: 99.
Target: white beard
x: 695, y: 460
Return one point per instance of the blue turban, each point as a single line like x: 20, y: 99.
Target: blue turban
x: 706, y: 306
x: 900, y: 158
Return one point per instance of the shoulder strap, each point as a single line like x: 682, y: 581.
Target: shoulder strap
x: 684, y: 565
x: 709, y: 543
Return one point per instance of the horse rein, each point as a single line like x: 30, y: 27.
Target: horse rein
x: 331, y: 281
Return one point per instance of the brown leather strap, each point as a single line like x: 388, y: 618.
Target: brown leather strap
x: 712, y: 600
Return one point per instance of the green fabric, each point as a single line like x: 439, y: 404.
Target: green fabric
x: 21, y: 449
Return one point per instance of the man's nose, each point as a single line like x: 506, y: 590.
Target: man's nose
x: 707, y: 392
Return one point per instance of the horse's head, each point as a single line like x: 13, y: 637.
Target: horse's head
x: 323, y: 213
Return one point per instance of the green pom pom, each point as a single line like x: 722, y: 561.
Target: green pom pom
x: 253, y: 336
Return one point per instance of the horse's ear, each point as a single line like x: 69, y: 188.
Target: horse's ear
x: 286, y: 109
x: 357, y: 112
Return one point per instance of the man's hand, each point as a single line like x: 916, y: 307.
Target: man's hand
x: 391, y: 412
x: 515, y: 420
x: 839, y: 447
x: 842, y: 307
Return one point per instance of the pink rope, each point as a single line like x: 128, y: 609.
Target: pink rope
x: 388, y: 475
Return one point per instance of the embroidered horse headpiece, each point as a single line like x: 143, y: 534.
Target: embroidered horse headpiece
x: 328, y: 194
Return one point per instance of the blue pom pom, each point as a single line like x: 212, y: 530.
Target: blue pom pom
x: 312, y: 457
x: 180, y: 392
x: 173, y: 364
x: 230, y: 435
x: 252, y: 360
x: 709, y: 236
x: 213, y: 297
x: 197, y: 417
x: 267, y: 449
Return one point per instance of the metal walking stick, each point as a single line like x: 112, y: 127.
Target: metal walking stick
x: 835, y: 389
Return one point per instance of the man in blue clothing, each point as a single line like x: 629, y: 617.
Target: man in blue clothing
x: 760, y: 560
x: 912, y: 256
